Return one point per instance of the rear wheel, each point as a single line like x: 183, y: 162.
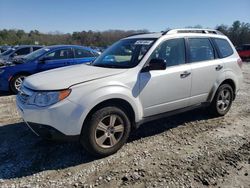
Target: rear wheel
x: 222, y: 101
x: 16, y: 82
x: 106, y: 131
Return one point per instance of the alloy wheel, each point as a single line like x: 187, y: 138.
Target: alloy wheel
x: 18, y: 82
x: 224, y: 100
x: 109, y: 131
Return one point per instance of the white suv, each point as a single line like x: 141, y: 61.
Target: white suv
x: 138, y: 79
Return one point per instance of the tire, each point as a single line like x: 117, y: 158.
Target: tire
x: 222, y: 101
x: 100, y: 137
x: 16, y: 82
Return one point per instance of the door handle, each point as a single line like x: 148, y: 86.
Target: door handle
x: 219, y: 67
x: 185, y: 74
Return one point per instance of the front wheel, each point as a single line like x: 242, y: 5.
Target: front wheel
x: 16, y: 82
x: 222, y: 101
x: 106, y: 131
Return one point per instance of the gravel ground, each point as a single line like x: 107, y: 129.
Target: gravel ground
x: 186, y: 150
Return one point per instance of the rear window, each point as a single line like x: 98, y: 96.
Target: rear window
x: 200, y: 49
x: 81, y: 53
x: 224, y: 47
x: 23, y: 51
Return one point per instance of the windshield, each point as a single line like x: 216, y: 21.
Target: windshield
x: 8, y: 52
x: 36, y: 54
x: 125, y: 53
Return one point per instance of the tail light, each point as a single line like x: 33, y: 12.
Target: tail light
x: 240, y: 63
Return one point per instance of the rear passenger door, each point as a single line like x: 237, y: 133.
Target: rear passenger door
x: 206, y: 68
x: 56, y: 59
x: 83, y: 56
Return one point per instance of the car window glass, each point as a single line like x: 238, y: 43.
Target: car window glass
x: 224, y: 47
x: 200, y: 49
x: 81, y: 53
x: 36, y: 48
x: 172, y: 51
x: 60, y: 54
x: 23, y: 51
x: 125, y: 53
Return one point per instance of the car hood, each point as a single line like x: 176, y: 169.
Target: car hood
x: 65, y: 77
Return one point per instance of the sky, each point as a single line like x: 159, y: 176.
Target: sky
x: 68, y: 16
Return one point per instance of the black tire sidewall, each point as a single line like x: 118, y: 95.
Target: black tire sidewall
x: 88, y: 132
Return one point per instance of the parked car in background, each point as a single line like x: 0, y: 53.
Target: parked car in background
x: 138, y: 79
x: 244, y: 51
x: 4, y: 48
x: 17, y: 52
x: 13, y: 73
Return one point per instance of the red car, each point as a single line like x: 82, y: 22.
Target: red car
x: 244, y: 51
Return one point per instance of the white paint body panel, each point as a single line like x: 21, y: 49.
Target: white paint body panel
x: 148, y: 93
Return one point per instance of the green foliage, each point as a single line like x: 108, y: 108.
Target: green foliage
x: 88, y: 38
x: 239, y: 33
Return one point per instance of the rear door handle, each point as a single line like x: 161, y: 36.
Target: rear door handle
x: 185, y: 74
x: 219, y: 67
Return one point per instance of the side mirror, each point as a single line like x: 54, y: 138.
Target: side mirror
x: 155, y: 64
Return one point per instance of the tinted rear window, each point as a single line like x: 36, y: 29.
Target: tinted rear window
x: 82, y: 53
x: 200, y: 49
x: 224, y: 47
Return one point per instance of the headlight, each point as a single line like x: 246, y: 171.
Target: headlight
x: 43, y: 99
x: 2, y: 71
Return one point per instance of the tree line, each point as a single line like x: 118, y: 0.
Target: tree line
x: 238, y: 33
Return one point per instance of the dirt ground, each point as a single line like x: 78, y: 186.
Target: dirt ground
x: 186, y: 150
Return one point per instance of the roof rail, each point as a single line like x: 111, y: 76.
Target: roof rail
x: 192, y: 30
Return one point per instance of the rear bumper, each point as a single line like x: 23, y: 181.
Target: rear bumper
x: 49, y: 133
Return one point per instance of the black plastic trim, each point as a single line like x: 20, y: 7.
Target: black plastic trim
x: 170, y: 113
x: 49, y: 133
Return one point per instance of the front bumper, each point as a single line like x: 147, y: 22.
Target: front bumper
x: 62, y: 119
x: 49, y: 133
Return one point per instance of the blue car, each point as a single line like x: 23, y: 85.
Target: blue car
x: 13, y: 73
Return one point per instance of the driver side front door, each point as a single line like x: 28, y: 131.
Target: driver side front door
x: 166, y: 90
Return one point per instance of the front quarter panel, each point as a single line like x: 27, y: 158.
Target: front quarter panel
x: 92, y: 93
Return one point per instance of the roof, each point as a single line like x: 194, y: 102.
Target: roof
x: 178, y: 31
x: 68, y: 46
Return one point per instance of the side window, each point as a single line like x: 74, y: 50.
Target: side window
x: 81, y: 53
x: 224, y: 47
x: 200, y: 49
x: 23, y: 51
x: 172, y: 51
x: 60, y: 54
